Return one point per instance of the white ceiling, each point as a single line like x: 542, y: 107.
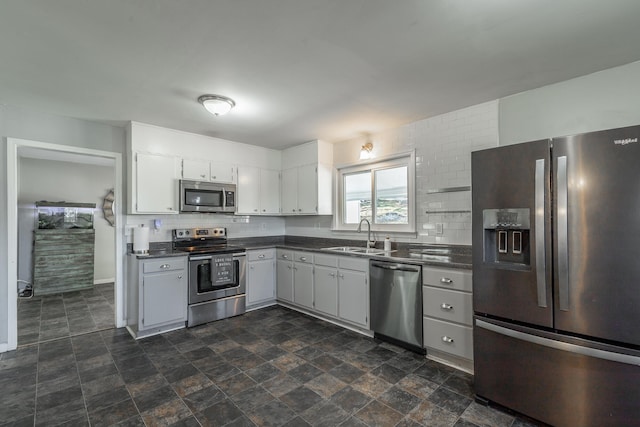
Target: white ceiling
x: 298, y: 69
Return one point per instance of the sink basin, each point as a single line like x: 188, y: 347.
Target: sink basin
x: 356, y: 250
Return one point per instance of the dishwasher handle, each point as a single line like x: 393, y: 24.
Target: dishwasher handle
x: 397, y: 267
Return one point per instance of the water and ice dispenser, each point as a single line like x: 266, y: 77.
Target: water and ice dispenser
x: 506, y: 237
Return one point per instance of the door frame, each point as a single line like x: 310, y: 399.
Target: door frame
x: 13, y: 146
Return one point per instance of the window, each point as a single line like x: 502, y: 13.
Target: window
x: 381, y: 192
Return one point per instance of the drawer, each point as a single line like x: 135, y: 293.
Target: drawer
x: 453, y: 306
x: 448, y: 338
x: 326, y: 260
x: 261, y: 254
x: 460, y: 280
x: 285, y: 254
x: 303, y: 257
x: 353, y: 263
x: 164, y: 264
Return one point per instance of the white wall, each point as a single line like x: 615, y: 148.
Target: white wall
x: 237, y: 226
x: 32, y: 125
x: 443, y: 146
x: 604, y: 100
x: 73, y: 182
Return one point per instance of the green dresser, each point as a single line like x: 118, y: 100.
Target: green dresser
x: 62, y: 260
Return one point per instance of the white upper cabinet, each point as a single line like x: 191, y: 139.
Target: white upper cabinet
x: 222, y: 172
x: 204, y: 170
x: 290, y: 191
x: 197, y: 170
x: 307, y: 183
x: 269, y: 192
x: 168, y: 155
x: 258, y: 191
x: 156, y: 184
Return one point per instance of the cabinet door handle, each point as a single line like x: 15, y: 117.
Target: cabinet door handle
x: 303, y: 258
x: 341, y: 276
x: 180, y: 277
x: 202, y: 176
x: 332, y: 274
x: 293, y: 210
x: 447, y: 339
x: 446, y: 280
x: 299, y: 210
x: 264, y: 210
x: 289, y: 267
x: 446, y: 306
x: 165, y: 266
x: 169, y: 209
x: 261, y: 256
x: 295, y: 268
x: 214, y: 177
x: 251, y: 268
x: 285, y: 256
x: 255, y: 210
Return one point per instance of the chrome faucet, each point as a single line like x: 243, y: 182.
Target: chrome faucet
x: 370, y: 243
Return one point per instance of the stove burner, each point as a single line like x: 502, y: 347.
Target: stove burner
x: 203, y: 241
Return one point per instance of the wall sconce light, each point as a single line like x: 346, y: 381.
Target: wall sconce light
x: 216, y: 104
x: 365, y: 151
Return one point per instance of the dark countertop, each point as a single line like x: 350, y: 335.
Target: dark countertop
x: 447, y: 256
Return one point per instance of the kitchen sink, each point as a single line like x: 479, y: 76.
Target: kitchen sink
x: 356, y: 250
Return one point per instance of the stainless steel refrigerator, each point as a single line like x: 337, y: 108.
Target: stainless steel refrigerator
x: 556, y: 278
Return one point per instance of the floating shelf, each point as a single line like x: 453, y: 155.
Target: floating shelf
x: 448, y: 190
x: 447, y: 212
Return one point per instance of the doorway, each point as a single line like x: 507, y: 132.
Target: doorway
x: 61, y: 314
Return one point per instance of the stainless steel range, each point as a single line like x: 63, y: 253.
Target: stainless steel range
x: 217, y: 274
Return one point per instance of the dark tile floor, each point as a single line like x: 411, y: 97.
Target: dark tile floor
x: 48, y: 317
x: 269, y: 367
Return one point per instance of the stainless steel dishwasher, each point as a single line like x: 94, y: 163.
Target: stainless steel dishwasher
x: 396, y: 303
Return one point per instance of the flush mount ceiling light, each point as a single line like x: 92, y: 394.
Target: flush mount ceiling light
x: 365, y: 151
x: 216, y: 104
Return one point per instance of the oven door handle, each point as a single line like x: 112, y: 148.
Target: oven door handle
x: 207, y: 257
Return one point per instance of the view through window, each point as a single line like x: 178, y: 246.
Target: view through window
x: 379, y: 192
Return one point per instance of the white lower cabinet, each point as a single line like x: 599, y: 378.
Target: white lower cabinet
x: 354, y: 297
x: 303, y: 279
x: 261, y: 278
x: 157, y: 295
x: 338, y: 286
x: 448, y: 316
x: 284, y: 275
x: 325, y: 284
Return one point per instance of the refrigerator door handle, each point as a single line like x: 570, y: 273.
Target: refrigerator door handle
x: 541, y: 263
x: 559, y: 345
x: 563, y: 251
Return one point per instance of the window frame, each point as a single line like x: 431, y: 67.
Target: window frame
x: 396, y: 160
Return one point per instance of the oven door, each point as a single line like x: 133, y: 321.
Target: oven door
x: 216, y: 276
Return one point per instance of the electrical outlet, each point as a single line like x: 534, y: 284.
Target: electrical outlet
x: 439, y: 228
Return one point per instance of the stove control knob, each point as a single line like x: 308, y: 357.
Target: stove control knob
x: 186, y: 232
x: 179, y: 233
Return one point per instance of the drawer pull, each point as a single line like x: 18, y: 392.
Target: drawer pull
x: 447, y: 339
x: 165, y: 266
x: 332, y: 274
x: 180, y: 277
x: 446, y: 306
x: 261, y: 256
x: 303, y: 258
x: 285, y: 256
x: 446, y: 280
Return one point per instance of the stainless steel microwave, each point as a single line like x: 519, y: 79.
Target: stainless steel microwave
x: 210, y: 197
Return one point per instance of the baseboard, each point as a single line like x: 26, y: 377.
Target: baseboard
x: 104, y: 281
